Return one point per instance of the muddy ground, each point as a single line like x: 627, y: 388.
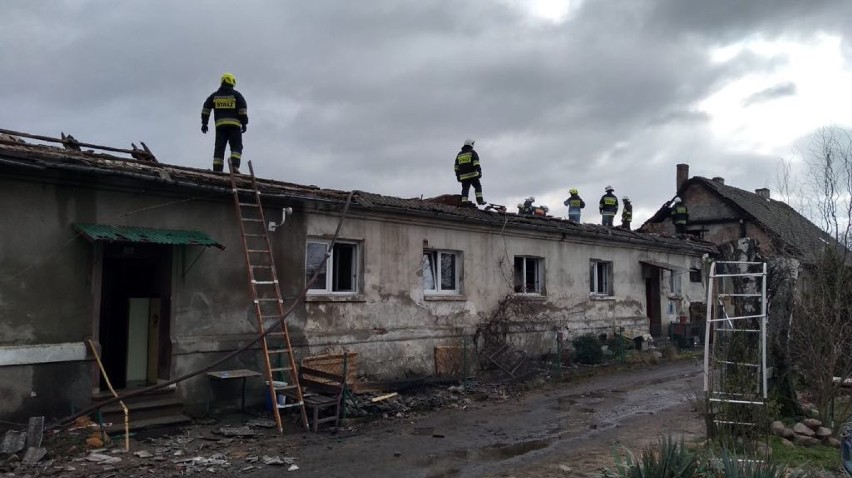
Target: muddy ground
x: 558, y: 428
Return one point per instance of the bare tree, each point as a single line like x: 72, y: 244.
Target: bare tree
x: 820, y: 337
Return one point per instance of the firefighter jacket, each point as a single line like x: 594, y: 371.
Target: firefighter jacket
x: 467, y: 164
x: 679, y: 213
x: 608, y: 204
x: 627, y: 212
x: 228, y: 106
x: 574, y: 203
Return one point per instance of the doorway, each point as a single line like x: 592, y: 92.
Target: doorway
x: 652, y: 299
x: 134, y: 314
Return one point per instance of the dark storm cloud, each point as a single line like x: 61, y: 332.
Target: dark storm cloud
x: 772, y: 93
x: 379, y: 95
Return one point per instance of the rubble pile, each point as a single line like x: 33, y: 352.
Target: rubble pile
x: 202, y: 450
x: 427, y: 398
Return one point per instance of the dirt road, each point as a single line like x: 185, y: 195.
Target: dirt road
x: 545, y: 433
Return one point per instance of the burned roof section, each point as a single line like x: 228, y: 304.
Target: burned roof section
x: 15, y: 153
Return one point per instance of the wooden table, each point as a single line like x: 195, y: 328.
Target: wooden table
x: 242, y: 374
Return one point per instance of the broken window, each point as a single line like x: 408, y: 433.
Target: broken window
x: 340, y: 272
x: 600, y: 277
x: 675, y: 287
x: 529, y: 275
x: 695, y: 275
x: 441, y: 272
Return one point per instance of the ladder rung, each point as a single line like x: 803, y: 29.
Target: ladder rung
x: 261, y: 267
x: 718, y: 329
x: 257, y: 251
x: 286, y: 387
x: 738, y: 318
x: 733, y: 394
x: 248, y: 204
x: 278, y: 351
x: 744, y: 364
x: 269, y: 299
x: 724, y: 422
x: 255, y: 235
x: 276, y: 316
x: 280, y: 369
x: 264, y: 282
x: 275, y: 334
x: 739, y: 295
x: 252, y: 220
x: 296, y: 404
x: 741, y: 402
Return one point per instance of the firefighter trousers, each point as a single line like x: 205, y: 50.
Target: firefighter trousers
x: 227, y: 135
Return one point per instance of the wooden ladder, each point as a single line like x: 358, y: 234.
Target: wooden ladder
x: 281, y: 374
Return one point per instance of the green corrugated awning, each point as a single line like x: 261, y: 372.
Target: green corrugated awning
x: 145, y: 235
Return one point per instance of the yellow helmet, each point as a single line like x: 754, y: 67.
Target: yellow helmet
x: 229, y: 79
x: 573, y: 191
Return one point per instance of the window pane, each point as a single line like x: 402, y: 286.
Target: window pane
x: 343, y: 272
x: 519, y: 274
x: 531, y: 275
x: 313, y: 259
x: 592, y: 280
x: 448, y: 271
x: 601, y: 275
x: 429, y: 271
x: 607, y: 274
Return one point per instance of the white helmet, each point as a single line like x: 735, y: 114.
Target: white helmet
x: 545, y: 208
x: 677, y: 199
x: 625, y: 199
x: 608, y: 188
x: 520, y: 205
x: 469, y: 142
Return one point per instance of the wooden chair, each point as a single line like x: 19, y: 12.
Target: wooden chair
x: 321, y: 391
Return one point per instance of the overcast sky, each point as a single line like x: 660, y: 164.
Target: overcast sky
x: 379, y: 95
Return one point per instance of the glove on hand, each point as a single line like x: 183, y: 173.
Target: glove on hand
x: 245, y: 127
x: 204, y: 128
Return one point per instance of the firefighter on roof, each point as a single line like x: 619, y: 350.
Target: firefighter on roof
x: 468, y: 173
x: 230, y: 115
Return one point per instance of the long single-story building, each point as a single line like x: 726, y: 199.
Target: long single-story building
x: 145, y: 259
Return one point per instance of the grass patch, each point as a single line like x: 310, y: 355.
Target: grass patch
x: 812, y: 457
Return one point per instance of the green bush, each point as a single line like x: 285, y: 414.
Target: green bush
x: 666, y: 459
x: 626, y: 344
x: 732, y: 467
x: 587, y: 349
x: 671, y: 459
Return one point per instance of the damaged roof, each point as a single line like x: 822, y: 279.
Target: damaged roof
x: 793, y: 231
x: 14, y: 153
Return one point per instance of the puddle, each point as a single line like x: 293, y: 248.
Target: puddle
x: 504, y: 450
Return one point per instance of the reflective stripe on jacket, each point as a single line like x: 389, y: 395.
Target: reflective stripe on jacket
x: 467, y: 164
x: 228, y: 106
x: 608, y: 204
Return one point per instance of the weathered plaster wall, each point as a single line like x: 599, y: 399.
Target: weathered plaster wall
x: 50, y: 290
x: 394, y: 326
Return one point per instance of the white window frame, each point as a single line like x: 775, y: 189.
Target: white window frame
x: 538, y: 287
x: 327, y: 287
x: 437, y: 256
x: 594, y: 274
x: 675, y: 283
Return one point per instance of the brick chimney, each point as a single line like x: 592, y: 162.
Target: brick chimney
x: 762, y: 192
x: 720, y: 180
x: 682, y: 175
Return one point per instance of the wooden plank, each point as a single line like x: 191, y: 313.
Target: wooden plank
x: 384, y: 397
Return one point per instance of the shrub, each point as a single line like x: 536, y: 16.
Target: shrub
x: 666, y: 459
x: 587, y: 349
x: 626, y: 344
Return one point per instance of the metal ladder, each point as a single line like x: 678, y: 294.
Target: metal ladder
x: 281, y: 375
x: 735, y: 370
